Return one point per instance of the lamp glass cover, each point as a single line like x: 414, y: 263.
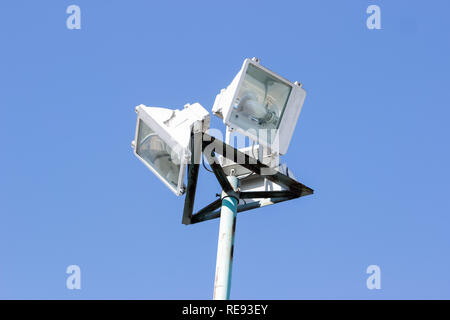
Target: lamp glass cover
x: 260, y: 102
x: 158, y: 154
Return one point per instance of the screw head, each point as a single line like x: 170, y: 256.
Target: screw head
x: 255, y: 59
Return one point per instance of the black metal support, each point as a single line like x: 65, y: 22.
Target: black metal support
x: 213, y: 214
x: 193, y: 169
x: 210, y: 207
x: 218, y: 172
x: 210, y: 146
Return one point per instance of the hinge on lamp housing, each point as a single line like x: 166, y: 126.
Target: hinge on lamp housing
x: 216, y: 109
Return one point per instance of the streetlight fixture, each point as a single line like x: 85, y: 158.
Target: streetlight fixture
x: 257, y: 101
x: 162, y: 141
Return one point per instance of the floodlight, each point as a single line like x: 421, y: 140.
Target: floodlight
x: 261, y: 105
x: 162, y: 140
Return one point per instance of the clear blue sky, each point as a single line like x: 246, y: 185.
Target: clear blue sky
x: 372, y: 140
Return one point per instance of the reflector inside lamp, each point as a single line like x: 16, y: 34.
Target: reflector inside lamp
x: 158, y: 154
x: 260, y: 102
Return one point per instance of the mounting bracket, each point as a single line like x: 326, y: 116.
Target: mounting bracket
x: 210, y: 146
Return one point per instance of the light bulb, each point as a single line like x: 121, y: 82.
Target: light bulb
x: 256, y: 111
x: 251, y: 106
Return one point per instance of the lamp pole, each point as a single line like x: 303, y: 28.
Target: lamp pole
x: 225, y: 246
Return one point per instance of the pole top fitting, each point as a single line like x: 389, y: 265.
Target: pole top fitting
x: 255, y: 59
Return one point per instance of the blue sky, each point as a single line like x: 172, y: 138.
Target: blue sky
x: 372, y: 140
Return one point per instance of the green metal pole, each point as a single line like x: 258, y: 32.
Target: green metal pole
x: 225, y: 247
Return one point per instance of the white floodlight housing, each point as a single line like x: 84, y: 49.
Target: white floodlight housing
x: 162, y: 141
x: 261, y: 105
